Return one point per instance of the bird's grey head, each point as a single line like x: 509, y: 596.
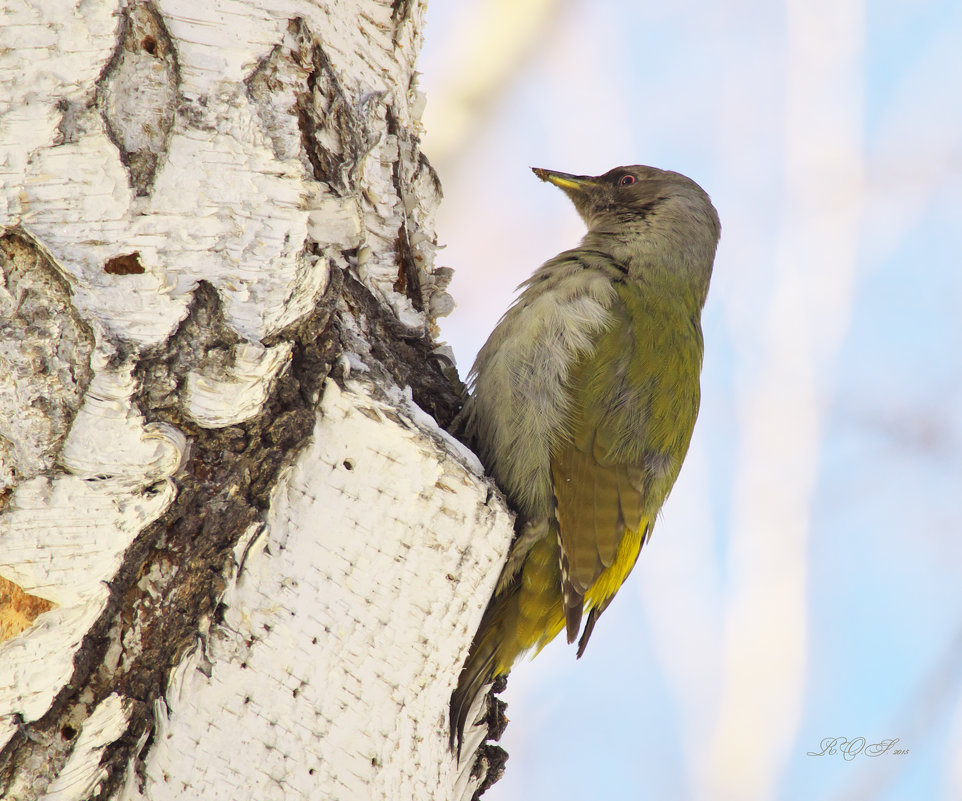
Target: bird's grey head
x: 638, y: 212
x: 630, y: 194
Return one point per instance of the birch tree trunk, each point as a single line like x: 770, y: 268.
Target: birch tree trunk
x: 239, y: 555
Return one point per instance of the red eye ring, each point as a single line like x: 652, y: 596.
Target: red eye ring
x: 626, y: 180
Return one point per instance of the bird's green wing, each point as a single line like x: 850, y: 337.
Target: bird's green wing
x: 634, y: 401
x: 596, y: 506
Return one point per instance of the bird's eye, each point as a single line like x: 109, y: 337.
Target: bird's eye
x: 626, y: 180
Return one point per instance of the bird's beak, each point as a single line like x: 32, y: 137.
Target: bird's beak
x: 564, y: 180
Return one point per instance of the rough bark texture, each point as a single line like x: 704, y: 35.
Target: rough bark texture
x: 239, y: 557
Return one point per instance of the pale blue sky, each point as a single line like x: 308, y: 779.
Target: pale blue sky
x: 804, y: 579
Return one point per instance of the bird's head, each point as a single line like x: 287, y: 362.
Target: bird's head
x: 642, y: 214
x: 628, y: 194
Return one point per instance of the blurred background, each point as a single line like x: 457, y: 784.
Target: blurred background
x: 805, y: 579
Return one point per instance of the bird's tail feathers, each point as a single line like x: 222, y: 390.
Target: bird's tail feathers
x: 478, y: 671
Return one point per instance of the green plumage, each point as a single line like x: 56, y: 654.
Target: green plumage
x: 585, y: 397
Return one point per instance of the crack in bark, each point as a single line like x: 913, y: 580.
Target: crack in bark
x: 409, y: 280
x: 136, y: 99
x: 406, y: 354
x: 47, y: 345
x: 331, y: 128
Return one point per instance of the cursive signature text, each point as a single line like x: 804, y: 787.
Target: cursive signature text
x: 849, y: 749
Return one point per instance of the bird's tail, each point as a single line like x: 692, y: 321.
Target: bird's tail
x: 526, y: 613
x: 479, y: 670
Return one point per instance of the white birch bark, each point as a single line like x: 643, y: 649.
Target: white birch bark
x: 239, y: 557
